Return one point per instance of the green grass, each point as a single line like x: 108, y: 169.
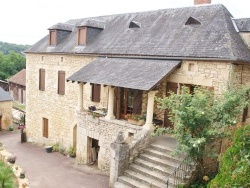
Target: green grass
x: 18, y: 106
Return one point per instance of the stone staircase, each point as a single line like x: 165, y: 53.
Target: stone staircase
x: 153, y: 167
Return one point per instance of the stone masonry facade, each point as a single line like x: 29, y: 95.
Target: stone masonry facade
x: 61, y: 110
x: 6, y: 112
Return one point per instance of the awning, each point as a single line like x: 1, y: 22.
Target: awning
x: 128, y: 73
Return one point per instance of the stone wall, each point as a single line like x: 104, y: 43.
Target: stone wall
x: 58, y: 109
x: 6, y: 112
x: 105, y: 131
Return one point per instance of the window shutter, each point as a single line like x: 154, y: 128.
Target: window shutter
x: 42, y: 79
x: 82, y: 36
x: 137, y: 103
x: 52, y: 38
x: 96, y: 92
x: 61, y: 82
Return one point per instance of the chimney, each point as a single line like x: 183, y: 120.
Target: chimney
x: 199, y: 2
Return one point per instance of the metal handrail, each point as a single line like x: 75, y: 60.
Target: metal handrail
x: 180, y: 172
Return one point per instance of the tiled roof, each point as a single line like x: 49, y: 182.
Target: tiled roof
x: 243, y: 24
x: 162, y: 33
x: 19, y: 78
x: 4, y: 95
x: 130, y: 73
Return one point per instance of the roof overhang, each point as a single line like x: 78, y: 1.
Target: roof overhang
x: 139, y: 74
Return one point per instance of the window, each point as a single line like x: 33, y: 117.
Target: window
x: 42, y: 58
x: 42, y: 79
x: 61, y: 59
x: 82, y: 36
x: 61, y: 82
x: 45, y: 127
x: 192, y: 21
x: 190, y: 67
x: 52, y: 38
x: 96, y: 92
x: 134, y: 24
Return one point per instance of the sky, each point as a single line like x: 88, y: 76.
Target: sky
x: 27, y: 21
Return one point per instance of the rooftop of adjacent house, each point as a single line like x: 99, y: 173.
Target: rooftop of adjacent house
x: 243, y: 24
x: 205, y: 32
x: 19, y: 78
x: 4, y: 95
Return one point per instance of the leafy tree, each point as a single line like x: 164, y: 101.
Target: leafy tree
x: 18, y: 48
x: 235, y: 164
x: 6, y: 176
x: 10, y: 64
x: 201, y: 117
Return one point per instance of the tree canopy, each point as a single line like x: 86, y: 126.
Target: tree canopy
x: 10, y: 64
x: 6, y: 47
x: 201, y: 117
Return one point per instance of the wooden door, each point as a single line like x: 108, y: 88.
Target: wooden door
x: 170, y: 87
x: 0, y: 122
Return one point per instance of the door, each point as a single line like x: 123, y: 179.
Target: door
x: 0, y: 122
x: 127, y: 101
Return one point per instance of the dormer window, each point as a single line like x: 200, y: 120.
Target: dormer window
x: 82, y: 36
x: 53, y: 38
x: 192, y: 21
x: 134, y: 24
x: 58, y: 32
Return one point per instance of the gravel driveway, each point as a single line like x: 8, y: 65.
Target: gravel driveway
x: 51, y: 170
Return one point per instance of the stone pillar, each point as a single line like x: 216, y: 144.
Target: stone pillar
x: 150, y: 111
x: 80, y: 97
x: 119, y: 158
x: 110, y: 113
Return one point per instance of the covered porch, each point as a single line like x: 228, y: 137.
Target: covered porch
x: 131, y: 86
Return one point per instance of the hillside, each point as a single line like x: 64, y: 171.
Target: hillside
x: 6, y: 47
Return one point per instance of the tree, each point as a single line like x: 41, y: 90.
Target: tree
x: 235, y: 164
x: 11, y: 64
x: 201, y: 117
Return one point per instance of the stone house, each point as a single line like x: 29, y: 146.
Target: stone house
x: 87, y: 75
x: 17, y: 86
x: 5, y: 109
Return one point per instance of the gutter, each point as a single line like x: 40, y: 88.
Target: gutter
x: 140, y: 56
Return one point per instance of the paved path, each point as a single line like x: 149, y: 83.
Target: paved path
x: 51, y: 170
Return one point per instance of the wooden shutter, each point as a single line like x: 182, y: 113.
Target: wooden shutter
x: 61, y: 82
x: 45, y: 128
x: 82, y: 36
x: 137, y: 103
x: 96, y: 92
x: 42, y: 79
x: 170, y: 87
x: 52, y: 37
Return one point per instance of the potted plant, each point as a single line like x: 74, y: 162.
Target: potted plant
x: 72, y: 151
x: 22, y: 175
x: 12, y: 159
x: 48, y: 148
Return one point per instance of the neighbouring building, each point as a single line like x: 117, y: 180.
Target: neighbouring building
x: 5, y: 109
x: 17, y: 86
x: 4, y: 85
x: 88, y: 75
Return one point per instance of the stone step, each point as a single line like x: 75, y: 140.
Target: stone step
x: 151, y: 182
x: 120, y: 185
x: 131, y: 182
x: 154, y: 167
x: 162, y: 148
x: 163, y: 155
x: 158, y: 161
x: 148, y: 173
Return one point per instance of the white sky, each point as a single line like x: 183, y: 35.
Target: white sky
x: 27, y: 21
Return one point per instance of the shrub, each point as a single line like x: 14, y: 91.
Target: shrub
x: 235, y: 164
x: 7, y: 178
